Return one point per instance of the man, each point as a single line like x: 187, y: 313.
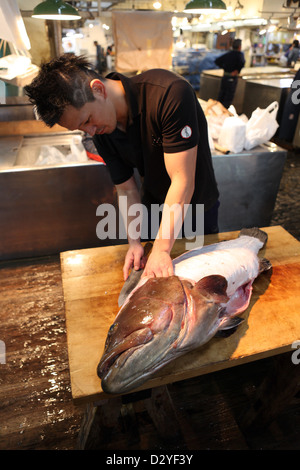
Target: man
x: 293, y: 54
x: 232, y: 62
x: 99, y: 57
x: 152, y: 122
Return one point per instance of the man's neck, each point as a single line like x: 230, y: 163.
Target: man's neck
x: 117, y: 95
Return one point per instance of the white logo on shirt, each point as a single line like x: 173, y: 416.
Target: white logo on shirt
x: 186, y: 132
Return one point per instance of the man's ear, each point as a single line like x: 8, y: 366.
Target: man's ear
x: 98, y: 87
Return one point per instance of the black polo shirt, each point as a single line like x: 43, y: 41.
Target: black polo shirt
x: 230, y: 61
x: 164, y: 116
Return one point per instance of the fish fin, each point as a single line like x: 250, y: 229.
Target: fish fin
x: 255, y: 232
x: 229, y: 327
x: 133, y: 278
x: 264, y: 265
x: 130, y: 283
x: 214, y: 286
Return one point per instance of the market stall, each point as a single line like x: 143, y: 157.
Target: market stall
x: 248, y: 183
x: 60, y: 281
x: 271, y: 76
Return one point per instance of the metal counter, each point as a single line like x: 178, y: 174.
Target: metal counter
x: 46, y: 210
x: 49, y: 209
x: 210, y: 82
x: 248, y: 185
x: 261, y: 93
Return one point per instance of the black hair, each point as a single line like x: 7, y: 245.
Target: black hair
x: 296, y: 43
x: 237, y: 43
x: 62, y: 81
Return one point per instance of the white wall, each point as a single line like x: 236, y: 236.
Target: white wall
x: 86, y: 45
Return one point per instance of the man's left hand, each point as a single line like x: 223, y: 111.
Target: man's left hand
x: 159, y: 264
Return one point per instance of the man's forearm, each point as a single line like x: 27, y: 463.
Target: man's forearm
x: 128, y: 195
x: 177, y: 199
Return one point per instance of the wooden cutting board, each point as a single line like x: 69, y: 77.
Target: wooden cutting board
x: 92, y: 280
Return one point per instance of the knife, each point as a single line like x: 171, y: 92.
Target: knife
x: 133, y: 278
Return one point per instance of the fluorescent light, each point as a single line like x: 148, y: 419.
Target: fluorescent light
x: 205, y: 7
x: 55, y: 10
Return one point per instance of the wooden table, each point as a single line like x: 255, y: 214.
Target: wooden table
x: 92, y: 280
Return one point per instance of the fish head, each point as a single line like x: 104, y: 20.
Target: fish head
x: 206, y: 310
x: 141, y: 338
x: 162, y: 319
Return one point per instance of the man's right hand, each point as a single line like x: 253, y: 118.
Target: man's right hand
x: 134, y: 258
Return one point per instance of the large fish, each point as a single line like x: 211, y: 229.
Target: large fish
x: 166, y: 317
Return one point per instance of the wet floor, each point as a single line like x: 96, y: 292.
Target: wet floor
x: 287, y: 207
x: 34, y: 383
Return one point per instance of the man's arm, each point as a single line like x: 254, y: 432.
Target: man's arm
x: 134, y: 256
x: 181, y: 168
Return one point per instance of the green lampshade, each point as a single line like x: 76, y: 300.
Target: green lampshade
x: 55, y: 10
x: 205, y: 7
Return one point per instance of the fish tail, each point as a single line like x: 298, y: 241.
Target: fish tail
x: 264, y: 265
x: 255, y: 232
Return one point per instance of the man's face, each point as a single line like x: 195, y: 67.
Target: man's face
x: 94, y: 117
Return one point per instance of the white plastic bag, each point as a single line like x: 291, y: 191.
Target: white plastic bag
x: 283, y: 60
x: 261, y: 126
x: 50, y: 155
x: 78, y: 152
x: 232, y: 134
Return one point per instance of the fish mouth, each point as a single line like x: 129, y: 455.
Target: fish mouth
x: 116, y: 357
x: 143, y: 335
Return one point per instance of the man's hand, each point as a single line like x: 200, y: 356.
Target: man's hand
x: 134, y: 258
x: 159, y: 264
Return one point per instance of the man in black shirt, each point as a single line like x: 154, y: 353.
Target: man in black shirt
x: 152, y: 122
x: 232, y: 62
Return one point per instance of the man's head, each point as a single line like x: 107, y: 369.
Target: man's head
x: 60, y: 83
x: 237, y: 45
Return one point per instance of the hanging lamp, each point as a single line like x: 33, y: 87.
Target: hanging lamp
x: 55, y: 10
x: 205, y: 7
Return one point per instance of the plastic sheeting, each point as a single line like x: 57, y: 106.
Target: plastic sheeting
x: 12, y: 25
x: 143, y: 40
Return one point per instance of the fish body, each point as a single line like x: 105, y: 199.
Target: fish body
x: 163, y: 318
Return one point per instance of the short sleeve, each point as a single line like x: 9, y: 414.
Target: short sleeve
x: 179, y: 120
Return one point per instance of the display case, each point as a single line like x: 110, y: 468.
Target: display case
x: 46, y: 208
x: 210, y: 82
x: 50, y: 208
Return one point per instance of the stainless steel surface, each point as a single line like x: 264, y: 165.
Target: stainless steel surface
x: 49, y: 210
x: 46, y: 210
x: 9, y: 148
x: 210, y: 86
x: 252, y: 71
x: 261, y: 93
x: 274, y: 77
x: 16, y: 112
x: 248, y: 184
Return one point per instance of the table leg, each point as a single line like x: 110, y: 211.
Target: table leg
x: 274, y: 394
x: 162, y: 412
x: 98, y: 423
x: 102, y: 418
